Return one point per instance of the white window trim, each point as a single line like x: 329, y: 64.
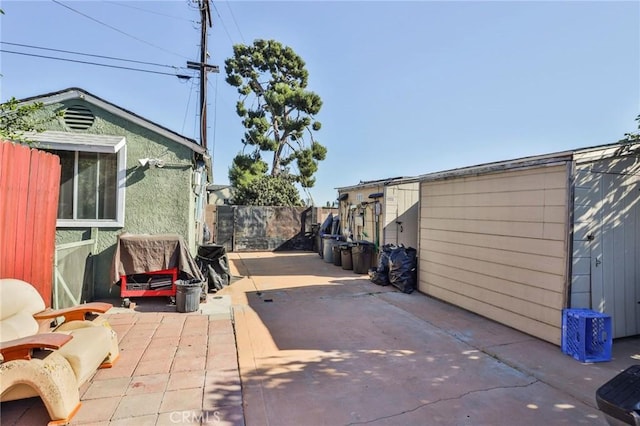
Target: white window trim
x: 64, y: 141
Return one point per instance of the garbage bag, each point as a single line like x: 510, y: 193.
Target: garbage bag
x: 383, y: 259
x: 379, y: 278
x: 214, y: 264
x: 402, y: 268
x: 380, y: 275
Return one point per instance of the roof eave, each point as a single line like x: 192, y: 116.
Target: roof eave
x: 77, y: 93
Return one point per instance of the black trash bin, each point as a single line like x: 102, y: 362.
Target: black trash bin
x: 188, y: 295
x: 214, y: 264
x: 362, y: 253
x: 345, y: 256
x: 337, y: 258
x: 619, y: 398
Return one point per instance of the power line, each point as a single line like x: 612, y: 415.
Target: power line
x: 116, y: 29
x: 180, y: 76
x: 186, y: 110
x: 234, y: 20
x: 222, y: 22
x: 88, y: 54
x: 149, y: 11
x: 215, y: 114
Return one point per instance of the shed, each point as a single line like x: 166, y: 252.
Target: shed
x: 517, y: 241
x: 381, y: 211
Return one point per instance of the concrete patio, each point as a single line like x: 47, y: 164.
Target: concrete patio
x: 298, y: 341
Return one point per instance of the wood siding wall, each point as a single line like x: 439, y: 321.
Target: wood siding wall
x: 496, y: 245
x: 29, y: 187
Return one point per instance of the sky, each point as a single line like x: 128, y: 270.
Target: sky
x: 408, y: 88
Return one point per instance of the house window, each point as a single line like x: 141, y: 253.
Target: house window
x: 88, y: 185
x: 92, y: 178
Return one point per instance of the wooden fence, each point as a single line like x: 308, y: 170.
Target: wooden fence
x: 29, y: 188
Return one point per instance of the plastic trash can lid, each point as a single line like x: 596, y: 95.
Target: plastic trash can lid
x: 188, y: 283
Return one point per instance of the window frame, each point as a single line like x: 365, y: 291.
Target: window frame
x: 77, y: 143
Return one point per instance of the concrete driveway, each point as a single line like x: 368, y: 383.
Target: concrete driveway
x: 319, y: 345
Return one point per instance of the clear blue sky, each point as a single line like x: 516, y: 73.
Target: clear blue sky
x: 408, y: 87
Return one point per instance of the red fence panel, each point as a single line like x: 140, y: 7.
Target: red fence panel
x: 29, y: 189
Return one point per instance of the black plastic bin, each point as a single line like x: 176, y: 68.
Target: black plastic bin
x: 337, y: 258
x: 214, y: 264
x: 188, y: 295
x: 346, y: 257
x: 619, y: 398
x: 362, y: 253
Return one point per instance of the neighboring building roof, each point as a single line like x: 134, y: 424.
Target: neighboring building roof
x: 375, y: 183
x: 214, y: 187
x: 579, y: 155
x: 76, y: 93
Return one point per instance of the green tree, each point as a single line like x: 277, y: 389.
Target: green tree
x: 277, y: 112
x: 268, y: 190
x: 16, y: 119
x: 634, y: 136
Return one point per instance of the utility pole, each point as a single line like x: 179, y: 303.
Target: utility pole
x: 205, y: 22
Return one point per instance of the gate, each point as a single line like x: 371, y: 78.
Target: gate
x: 73, y: 273
x: 29, y: 188
x: 224, y: 227
x: 264, y: 228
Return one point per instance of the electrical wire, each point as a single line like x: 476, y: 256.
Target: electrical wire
x: 222, y: 22
x: 215, y: 115
x: 186, y: 110
x: 149, y: 11
x: 236, y: 22
x: 116, y: 29
x: 180, y: 76
x: 88, y: 54
x: 196, y: 128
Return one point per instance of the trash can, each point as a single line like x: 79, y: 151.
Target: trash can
x: 345, y: 256
x: 328, y: 241
x: 337, y: 259
x: 214, y: 264
x: 188, y: 295
x: 325, y: 229
x: 362, y: 252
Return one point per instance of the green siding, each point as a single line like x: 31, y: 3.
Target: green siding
x: 157, y: 200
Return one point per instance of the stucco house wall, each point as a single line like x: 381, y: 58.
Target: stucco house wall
x: 156, y: 199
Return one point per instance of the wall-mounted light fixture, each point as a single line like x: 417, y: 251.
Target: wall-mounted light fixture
x: 151, y: 162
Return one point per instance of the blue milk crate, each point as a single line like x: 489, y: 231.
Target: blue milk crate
x: 586, y: 335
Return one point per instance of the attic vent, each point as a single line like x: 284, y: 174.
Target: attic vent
x: 78, y: 117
